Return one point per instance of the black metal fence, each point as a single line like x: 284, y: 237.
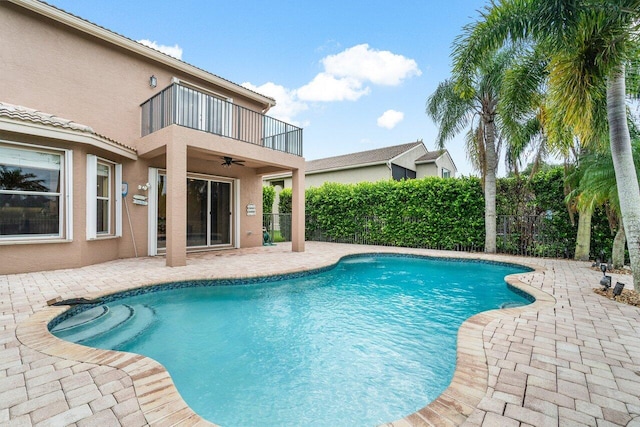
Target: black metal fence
x: 528, y: 235
x: 276, y: 228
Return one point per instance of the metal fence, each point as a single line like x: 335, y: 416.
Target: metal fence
x: 528, y: 235
x: 276, y: 228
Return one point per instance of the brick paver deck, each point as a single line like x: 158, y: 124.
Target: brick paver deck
x: 570, y: 359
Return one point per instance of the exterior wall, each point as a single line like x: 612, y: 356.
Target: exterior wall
x: 408, y: 159
x: 61, y: 71
x: 435, y: 168
x: 57, y: 254
x: 349, y: 176
x: 58, y: 70
x: 426, y: 169
x: 446, y: 162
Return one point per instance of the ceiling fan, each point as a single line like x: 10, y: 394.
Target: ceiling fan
x: 228, y: 161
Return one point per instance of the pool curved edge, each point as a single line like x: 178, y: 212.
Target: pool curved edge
x: 160, y: 400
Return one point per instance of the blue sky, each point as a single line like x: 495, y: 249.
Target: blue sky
x: 355, y: 74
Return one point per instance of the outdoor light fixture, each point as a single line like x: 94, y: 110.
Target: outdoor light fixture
x: 605, y: 282
x: 153, y: 81
x: 617, y: 290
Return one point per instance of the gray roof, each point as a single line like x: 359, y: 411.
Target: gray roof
x: 431, y: 156
x: 17, y: 112
x: 378, y: 155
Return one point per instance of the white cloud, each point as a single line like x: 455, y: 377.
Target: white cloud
x: 345, y: 77
x: 175, y: 51
x: 326, y: 88
x: 287, y: 106
x: 379, y: 67
x: 390, y: 118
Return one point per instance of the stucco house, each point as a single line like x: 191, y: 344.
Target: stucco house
x: 110, y: 149
x: 404, y: 161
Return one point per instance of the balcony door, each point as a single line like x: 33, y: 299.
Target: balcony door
x: 202, y: 111
x: 209, y: 213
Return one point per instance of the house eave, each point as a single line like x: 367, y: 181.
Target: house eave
x: 69, y: 135
x: 109, y: 36
x: 341, y: 168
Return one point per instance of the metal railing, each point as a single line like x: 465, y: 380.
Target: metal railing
x: 277, y: 226
x: 527, y: 235
x: 184, y: 106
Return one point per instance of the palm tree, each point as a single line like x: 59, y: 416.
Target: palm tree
x: 589, y: 44
x: 478, y: 114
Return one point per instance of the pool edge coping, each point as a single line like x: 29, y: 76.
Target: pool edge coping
x: 160, y: 400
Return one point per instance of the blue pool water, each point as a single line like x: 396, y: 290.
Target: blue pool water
x: 367, y: 342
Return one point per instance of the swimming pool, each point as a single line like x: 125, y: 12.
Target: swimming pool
x: 366, y: 342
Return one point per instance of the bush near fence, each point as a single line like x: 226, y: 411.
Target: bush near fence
x: 449, y: 214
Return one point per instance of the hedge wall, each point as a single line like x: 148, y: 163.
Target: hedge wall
x: 445, y: 213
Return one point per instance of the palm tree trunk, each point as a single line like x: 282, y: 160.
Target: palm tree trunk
x: 617, y: 251
x: 490, y: 189
x: 583, y: 239
x: 626, y: 178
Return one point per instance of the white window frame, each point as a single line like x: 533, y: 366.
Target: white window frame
x: 115, y: 183
x: 65, y: 195
x: 446, y: 173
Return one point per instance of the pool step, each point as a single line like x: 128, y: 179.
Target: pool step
x: 81, y: 319
x: 106, y: 327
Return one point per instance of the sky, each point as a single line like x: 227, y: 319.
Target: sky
x: 354, y: 74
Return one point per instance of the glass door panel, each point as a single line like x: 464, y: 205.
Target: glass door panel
x: 162, y: 212
x: 220, y: 213
x: 208, y: 212
x: 196, y: 212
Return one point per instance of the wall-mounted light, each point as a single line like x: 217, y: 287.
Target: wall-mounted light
x: 153, y: 81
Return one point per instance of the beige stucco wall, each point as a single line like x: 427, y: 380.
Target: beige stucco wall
x: 408, y: 158
x: 446, y: 162
x: 435, y: 168
x: 50, y: 67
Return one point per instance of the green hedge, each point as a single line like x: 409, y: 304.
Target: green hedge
x: 446, y: 213
x: 430, y: 212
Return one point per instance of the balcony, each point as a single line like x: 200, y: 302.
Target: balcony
x: 184, y: 106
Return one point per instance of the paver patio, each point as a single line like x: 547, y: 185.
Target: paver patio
x: 570, y: 359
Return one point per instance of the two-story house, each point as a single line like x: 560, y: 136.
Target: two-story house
x: 110, y: 149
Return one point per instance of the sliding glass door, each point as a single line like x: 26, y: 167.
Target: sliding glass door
x: 208, y: 212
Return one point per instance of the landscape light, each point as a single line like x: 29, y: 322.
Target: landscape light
x: 617, y: 290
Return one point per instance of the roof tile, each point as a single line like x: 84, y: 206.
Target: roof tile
x: 26, y: 114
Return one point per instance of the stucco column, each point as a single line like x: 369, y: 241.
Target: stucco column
x: 176, y: 204
x: 297, y: 211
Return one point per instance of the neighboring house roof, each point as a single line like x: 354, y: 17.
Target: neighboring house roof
x: 13, y: 113
x: 431, y: 156
x: 103, y: 33
x: 362, y: 158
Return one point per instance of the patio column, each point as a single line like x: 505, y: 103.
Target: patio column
x: 176, y: 204
x: 297, y: 211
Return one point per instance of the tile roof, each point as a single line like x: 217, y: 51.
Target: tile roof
x: 378, y: 155
x: 17, y: 112
x: 431, y: 156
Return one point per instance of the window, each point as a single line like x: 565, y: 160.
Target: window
x: 446, y: 173
x: 32, y: 193
x: 398, y: 173
x: 104, y: 213
x: 103, y: 198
